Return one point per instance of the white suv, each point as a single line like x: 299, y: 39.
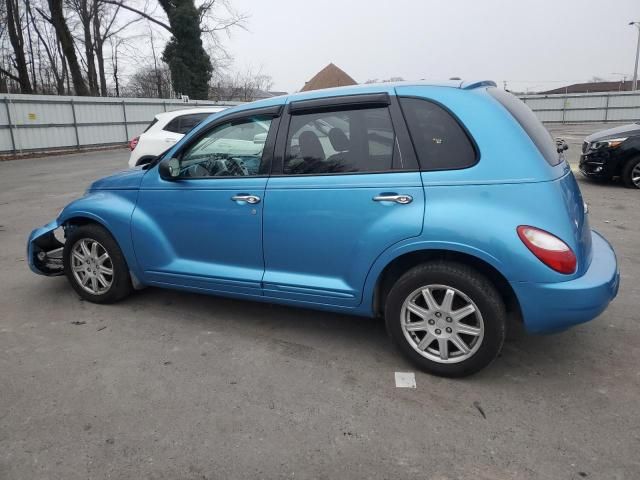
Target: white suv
x: 164, y: 131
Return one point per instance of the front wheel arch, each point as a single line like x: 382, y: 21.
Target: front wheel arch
x: 405, y: 262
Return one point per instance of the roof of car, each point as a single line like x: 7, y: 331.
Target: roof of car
x: 361, y: 89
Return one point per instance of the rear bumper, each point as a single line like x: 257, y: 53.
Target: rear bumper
x: 552, y: 307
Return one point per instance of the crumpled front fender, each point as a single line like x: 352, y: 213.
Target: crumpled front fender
x: 42, y: 239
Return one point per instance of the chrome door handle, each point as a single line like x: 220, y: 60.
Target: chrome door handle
x: 251, y: 199
x: 401, y: 199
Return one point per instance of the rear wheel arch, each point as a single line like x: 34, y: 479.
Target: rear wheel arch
x: 405, y: 262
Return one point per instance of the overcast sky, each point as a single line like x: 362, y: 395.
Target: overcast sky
x: 532, y: 45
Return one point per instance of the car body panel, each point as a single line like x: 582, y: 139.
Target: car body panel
x: 322, y: 233
x: 200, y: 236
x: 556, y: 306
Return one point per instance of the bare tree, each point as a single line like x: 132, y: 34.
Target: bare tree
x: 67, y: 46
x: 244, y: 87
x: 14, y: 27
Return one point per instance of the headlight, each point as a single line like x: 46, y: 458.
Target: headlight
x: 611, y: 143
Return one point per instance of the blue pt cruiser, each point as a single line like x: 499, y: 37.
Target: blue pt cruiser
x: 446, y: 208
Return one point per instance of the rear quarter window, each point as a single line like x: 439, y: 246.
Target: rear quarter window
x: 439, y: 140
x: 539, y: 135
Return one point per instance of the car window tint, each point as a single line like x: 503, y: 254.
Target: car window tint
x: 232, y: 149
x: 340, y: 142
x: 439, y: 140
x: 184, y: 123
x: 530, y: 123
x: 187, y: 122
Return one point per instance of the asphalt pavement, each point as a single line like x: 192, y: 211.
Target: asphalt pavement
x: 170, y: 385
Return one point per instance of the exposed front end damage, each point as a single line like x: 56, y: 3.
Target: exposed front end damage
x: 44, y: 250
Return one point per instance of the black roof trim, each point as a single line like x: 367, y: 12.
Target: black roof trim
x: 344, y: 101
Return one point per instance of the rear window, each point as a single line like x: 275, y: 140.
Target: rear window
x: 530, y: 123
x: 184, y: 123
x: 440, y: 142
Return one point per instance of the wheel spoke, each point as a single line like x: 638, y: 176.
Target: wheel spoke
x: 84, y: 279
x: 94, y: 284
x: 78, y: 256
x: 419, y: 311
x: 443, y: 345
x: 459, y: 343
x: 429, y: 300
x: 94, y: 250
x: 105, y: 270
x: 447, y: 301
x: 102, y: 258
x: 416, y: 326
x: 468, y: 330
x: 102, y: 280
x: 85, y: 250
x: 462, y: 312
x: 426, y: 341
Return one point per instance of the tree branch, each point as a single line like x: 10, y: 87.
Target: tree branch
x: 138, y: 12
x: 9, y: 74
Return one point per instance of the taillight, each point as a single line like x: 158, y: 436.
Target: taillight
x: 134, y: 142
x: 549, y: 249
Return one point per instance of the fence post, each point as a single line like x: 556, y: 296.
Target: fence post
x: 606, y: 109
x: 126, y: 127
x: 564, y: 108
x: 164, y: 105
x: 75, y: 123
x: 13, y: 140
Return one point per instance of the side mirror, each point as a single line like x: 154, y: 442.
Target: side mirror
x: 169, y: 168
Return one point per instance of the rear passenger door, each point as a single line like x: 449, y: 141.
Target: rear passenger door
x: 345, y: 186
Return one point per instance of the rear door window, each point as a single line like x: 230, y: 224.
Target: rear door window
x: 346, y: 141
x: 440, y: 142
x: 530, y: 123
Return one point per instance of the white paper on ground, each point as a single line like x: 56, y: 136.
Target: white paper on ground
x: 405, y: 380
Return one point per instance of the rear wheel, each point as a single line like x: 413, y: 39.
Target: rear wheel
x: 95, y: 266
x: 631, y: 173
x: 446, y: 318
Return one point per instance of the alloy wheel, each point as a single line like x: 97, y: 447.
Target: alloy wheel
x: 91, y: 266
x: 442, y: 323
x: 635, y: 175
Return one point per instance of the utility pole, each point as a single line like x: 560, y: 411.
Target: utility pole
x: 634, y: 86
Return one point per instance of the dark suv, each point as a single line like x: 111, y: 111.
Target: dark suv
x: 613, y: 153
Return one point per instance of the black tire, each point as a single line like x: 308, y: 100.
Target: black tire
x: 121, y: 281
x: 472, y: 284
x: 627, y: 172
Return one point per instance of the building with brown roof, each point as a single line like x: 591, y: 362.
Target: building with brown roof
x: 330, y: 76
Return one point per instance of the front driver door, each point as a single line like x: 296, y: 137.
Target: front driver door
x: 203, y: 231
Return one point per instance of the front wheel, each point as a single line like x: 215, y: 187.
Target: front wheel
x: 631, y: 173
x: 95, y: 266
x: 446, y: 318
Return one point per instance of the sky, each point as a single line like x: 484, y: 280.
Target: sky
x: 533, y: 45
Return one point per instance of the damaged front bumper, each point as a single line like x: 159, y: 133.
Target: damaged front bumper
x: 44, y: 250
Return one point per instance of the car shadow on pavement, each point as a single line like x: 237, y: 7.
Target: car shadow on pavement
x: 340, y: 336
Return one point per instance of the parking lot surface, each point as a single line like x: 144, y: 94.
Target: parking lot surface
x: 170, y: 385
